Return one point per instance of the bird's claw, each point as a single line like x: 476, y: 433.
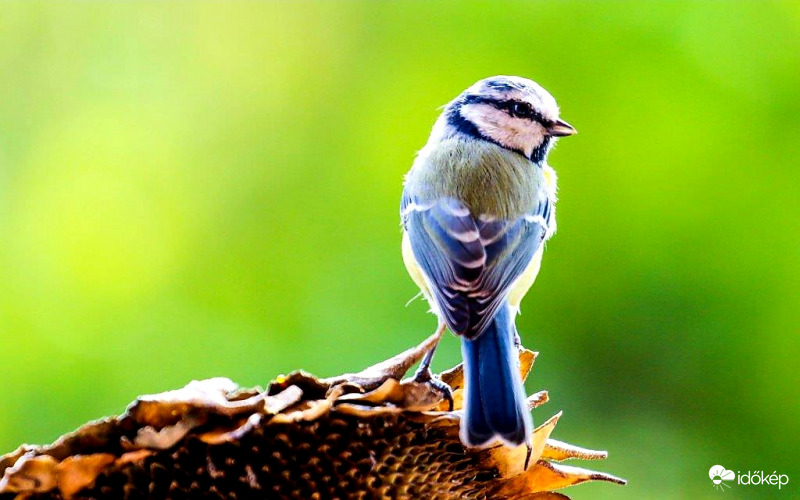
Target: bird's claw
x: 528, y: 456
x: 427, y: 377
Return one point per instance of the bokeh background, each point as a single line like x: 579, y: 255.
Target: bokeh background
x: 196, y: 190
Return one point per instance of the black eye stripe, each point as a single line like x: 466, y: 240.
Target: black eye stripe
x: 510, y: 106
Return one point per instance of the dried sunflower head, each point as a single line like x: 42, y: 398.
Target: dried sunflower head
x: 364, y: 435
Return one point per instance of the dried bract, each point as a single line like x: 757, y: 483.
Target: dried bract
x: 364, y: 435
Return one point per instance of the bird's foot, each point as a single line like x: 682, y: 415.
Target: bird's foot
x: 425, y: 376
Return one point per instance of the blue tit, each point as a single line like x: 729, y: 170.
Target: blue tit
x: 477, y: 206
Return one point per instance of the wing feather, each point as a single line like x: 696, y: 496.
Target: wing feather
x: 471, y: 262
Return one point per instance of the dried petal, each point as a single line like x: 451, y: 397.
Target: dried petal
x: 31, y: 473
x: 80, y: 471
x: 394, y: 367
x: 166, y: 437
x: 558, y: 451
x: 548, y: 476
x: 510, y: 461
x: 219, y: 436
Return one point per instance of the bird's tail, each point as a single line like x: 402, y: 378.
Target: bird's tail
x: 494, y: 401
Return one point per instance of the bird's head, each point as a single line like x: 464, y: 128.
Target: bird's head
x: 512, y: 112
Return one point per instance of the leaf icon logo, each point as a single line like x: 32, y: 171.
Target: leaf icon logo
x: 718, y: 474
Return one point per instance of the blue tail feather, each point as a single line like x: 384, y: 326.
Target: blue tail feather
x: 494, y: 402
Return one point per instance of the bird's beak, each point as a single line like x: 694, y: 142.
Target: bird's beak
x: 561, y: 129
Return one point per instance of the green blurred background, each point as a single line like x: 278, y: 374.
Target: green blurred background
x: 198, y: 190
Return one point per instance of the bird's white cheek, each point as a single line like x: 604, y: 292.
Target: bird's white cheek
x: 520, y: 134
x: 536, y: 135
x: 513, y: 133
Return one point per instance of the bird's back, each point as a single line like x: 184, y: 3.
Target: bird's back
x: 488, y: 179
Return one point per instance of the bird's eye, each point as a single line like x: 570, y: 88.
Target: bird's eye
x: 521, y: 109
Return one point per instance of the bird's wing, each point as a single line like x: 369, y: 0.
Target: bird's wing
x: 471, y: 262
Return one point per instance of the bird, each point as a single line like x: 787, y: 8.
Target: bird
x: 477, y: 206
